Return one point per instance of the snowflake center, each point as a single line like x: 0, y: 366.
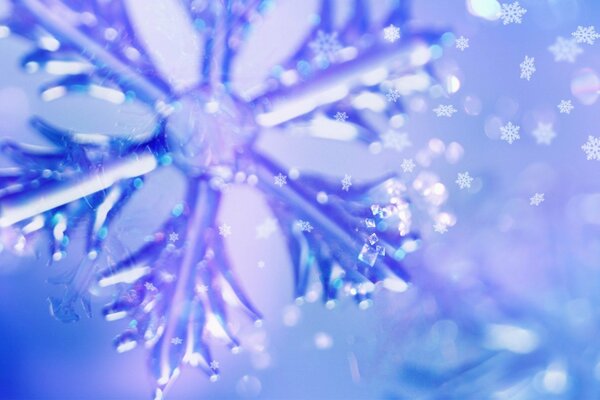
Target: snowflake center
x: 207, y: 129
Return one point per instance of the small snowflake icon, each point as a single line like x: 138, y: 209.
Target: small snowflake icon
x: 586, y: 35
x: 391, y: 33
x: 395, y: 140
x: 464, y: 180
x: 407, y: 165
x: 444, y: 110
x: 280, y: 179
x: 201, y: 288
x: 393, y: 95
x: 510, y: 132
x: 544, y: 133
x: 592, y: 148
x: 325, y: 46
x: 304, y: 226
x: 565, y: 106
x: 462, y: 43
x: 536, y: 199
x: 565, y: 49
x: 512, y: 13
x: 340, y: 116
x: 176, y: 341
x: 346, y: 182
x: 224, y: 230
x: 150, y: 287
x: 173, y: 237
x: 440, y: 227
x: 214, y: 365
x: 527, y: 67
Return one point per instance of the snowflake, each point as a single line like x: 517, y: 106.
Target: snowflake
x: 544, y: 134
x: 510, y: 132
x: 393, y: 95
x: 224, y: 230
x: 173, y: 237
x: 440, y: 227
x: 464, y: 180
x: 407, y: 165
x: 565, y: 49
x: 512, y: 13
x: 304, y: 226
x: 280, y: 179
x: 340, y: 116
x: 586, y: 35
x: 565, y: 106
x: 204, y: 127
x: 462, y: 43
x: 444, y: 110
x: 326, y: 46
x: 592, y: 148
x: 346, y: 182
x: 266, y: 229
x: 391, y: 33
x: 176, y: 341
x: 527, y: 68
x: 536, y: 199
x: 395, y: 140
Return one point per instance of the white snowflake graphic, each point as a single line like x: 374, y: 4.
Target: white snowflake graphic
x: 440, y: 227
x: 201, y: 288
x: 407, y: 165
x: 393, y: 95
x: 527, y: 67
x: 444, y: 110
x: 173, y: 237
x: 346, y: 182
x: 565, y: 106
x: 586, y: 35
x: 266, y: 229
x: 391, y: 33
x: 512, y: 13
x: 462, y: 43
x: 224, y: 230
x: 280, y: 179
x: 510, y: 132
x: 214, y: 365
x: 565, y: 49
x: 150, y: 286
x: 464, y: 180
x: 326, y: 46
x: 304, y: 226
x: 536, y: 199
x: 176, y: 341
x: 544, y: 133
x: 340, y: 116
x: 592, y: 148
x: 395, y: 140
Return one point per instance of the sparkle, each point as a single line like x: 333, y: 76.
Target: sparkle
x: 280, y: 179
x: 464, y: 180
x: 586, y: 35
x: 512, y: 13
x: 544, y: 133
x: 510, y: 132
x: 536, y: 199
x: 440, y: 227
x: 407, y: 165
x: 224, y: 230
x: 444, y: 110
x: 176, y: 341
x: 462, y: 43
x: 592, y: 148
x: 266, y: 229
x: 565, y: 49
x: 346, y: 182
x: 565, y: 106
x: 391, y: 33
x: 340, y: 116
x: 527, y: 67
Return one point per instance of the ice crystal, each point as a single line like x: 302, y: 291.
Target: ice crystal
x: 527, y: 67
x: 536, y: 199
x: 444, y: 110
x: 174, y: 284
x: 586, y: 35
x: 544, y: 133
x: 565, y: 49
x: 565, y: 106
x: 464, y: 180
x: 440, y: 227
x: 510, y: 132
x: 393, y: 95
x: 407, y: 165
x: 341, y: 116
x: 346, y: 182
x: 391, y: 33
x: 512, y: 13
x: 591, y: 148
x: 462, y: 43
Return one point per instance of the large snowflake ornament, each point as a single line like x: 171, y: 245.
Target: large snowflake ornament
x: 512, y: 13
x: 171, y: 289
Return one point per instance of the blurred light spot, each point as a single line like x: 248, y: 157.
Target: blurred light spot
x: 369, y: 101
x: 487, y: 9
x: 472, y: 105
x: 452, y: 84
x: 585, y: 86
x: 512, y: 338
x: 436, y: 146
x: 448, y: 38
x: 323, y: 341
x: 397, y: 121
x: 454, y: 152
x: 291, y: 315
x: 555, y: 379
x: 248, y: 386
x: 492, y: 127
